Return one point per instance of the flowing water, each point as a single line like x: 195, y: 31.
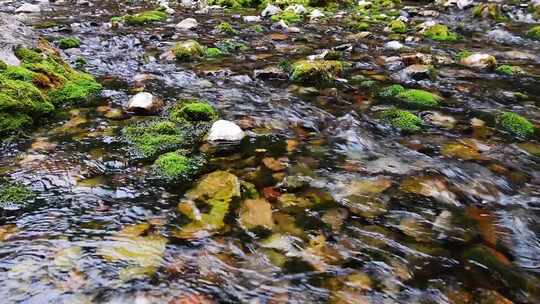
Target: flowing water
x: 401, y: 218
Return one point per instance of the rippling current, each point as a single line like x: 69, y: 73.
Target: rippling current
x: 403, y: 219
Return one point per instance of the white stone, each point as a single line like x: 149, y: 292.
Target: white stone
x: 316, y: 14
x: 252, y: 19
x: 297, y: 9
x: 271, y: 10
x: 479, y: 60
x: 187, y: 24
x: 394, y: 45
x: 145, y: 103
x: 187, y: 3
x: 224, y: 130
x: 28, y: 8
x: 461, y: 4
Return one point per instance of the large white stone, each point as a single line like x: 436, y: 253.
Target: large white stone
x: 479, y: 60
x: 224, y: 130
x: 271, y: 10
x: 28, y: 8
x: 251, y: 19
x: 144, y: 103
x: 187, y: 24
x: 297, y: 9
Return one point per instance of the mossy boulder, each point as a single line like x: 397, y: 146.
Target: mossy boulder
x: 488, y: 10
x: 402, y: 120
x: 391, y: 91
x: 188, y: 50
x: 419, y: 98
x: 177, y: 166
x: 515, y: 124
x: 288, y: 17
x: 144, y: 18
x: 213, y: 53
x: 440, y: 32
x: 14, y: 196
x: 315, y: 71
x: 226, y: 28
x: 397, y: 26
x: 193, y: 111
x: 69, y: 42
x: 150, y: 139
x: 509, y: 70
x: 534, y: 33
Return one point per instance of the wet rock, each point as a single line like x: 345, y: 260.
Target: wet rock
x: 224, y: 130
x: 520, y: 55
x: 415, y: 72
x: 504, y: 37
x: 297, y: 9
x: 394, y: 45
x: 315, y: 71
x: 440, y: 120
x: 187, y: 24
x: 434, y: 187
x: 14, y: 33
x: 316, y: 14
x: 251, y: 19
x: 271, y: 10
x: 28, y: 8
x: 271, y: 73
x: 416, y: 58
x: 144, y: 103
x: 256, y: 213
x: 479, y: 61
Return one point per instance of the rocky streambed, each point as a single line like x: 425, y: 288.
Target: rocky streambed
x: 275, y: 152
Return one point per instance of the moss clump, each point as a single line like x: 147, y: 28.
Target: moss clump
x: 232, y: 3
x: 188, y: 50
x: 440, y: 32
x: 488, y: 10
x: 177, y: 166
x: 515, y: 124
x: 193, y: 111
x: 213, y: 52
x: 154, y: 138
x: 69, y: 42
x: 463, y: 54
x: 3, y: 65
x: 144, y: 18
x: 229, y: 46
x: 287, y: 16
x: 391, y: 91
x: 225, y: 27
x: 419, y: 98
x: 403, y: 120
x: 257, y: 28
x: 509, y: 70
x: 29, y: 56
x: 77, y: 88
x: 308, y: 71
x: 398, y: 26
x: 534, y: 33
x: 19, y: 73
x: 14, y: 196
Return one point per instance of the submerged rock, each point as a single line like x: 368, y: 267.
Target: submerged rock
x: 314, y: 71
x: 224, y: 130
x: 256, y: 213
x: 144, y: 103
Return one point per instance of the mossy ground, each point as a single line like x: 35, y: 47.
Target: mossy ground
x: 516, y: 124
x: 192, y: 111
x: 440, y: 32
x: 316, y: 71
x: 37, y: 87
x: 146, y: 17
x: 534, y: 33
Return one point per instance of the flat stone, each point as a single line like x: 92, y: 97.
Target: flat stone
x: 224, y: 130
x: 144, y: 103
x: 187, y: 24
x: 28, y: 8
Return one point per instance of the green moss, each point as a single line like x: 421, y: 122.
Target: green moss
x: 403, y: 120
x: 69, y: 42
x: 509, y: 70
x: 19, y: 73
x: 144, y: 18
x: 257, y: 28
x: 225, y: 27
x: 3, y: 65
x: 14, y: 196
x: 516, y: 124
x: 287, y: 16
x: 193, y: 111
x: 28, y: 55
x: 13, y: 122
x: 173, y: 165
x: 78, y: 88
x: 398, y: 26
x: 213, y: 52
x: 488, y: 10
x: 440, y: 32
x: 229, y: 46
x: 188, y: 50
x: 391, y: 91
x: 21, y: 97
x: 236, y: 4
x: 286, y: 3
x: 308, y: 71
x: 154, y: 138
x: 463, y: 54
x: 534, y: 33
x: 419, y: 98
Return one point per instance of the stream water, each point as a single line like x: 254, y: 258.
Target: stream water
x: 448, y: 215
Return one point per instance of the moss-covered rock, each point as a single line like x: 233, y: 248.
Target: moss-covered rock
x: 391, y: 91
x: 14, y: 196
x: 177, y: 166
x: 226, y: 28
x: 193, y: 111
x: 69, y: 42
x: 315, y: 71
x: 231, y: 46
x: 154, y: 138
x: 213, y: 53
x: 515, y: 124
x: 146, y: 17
x: 509, y: 70
x: 440, y: 32
x: 287, y: 16
x: 188, y: 50
x: 534, y: 33
x: 488, y: 10
x: 402, y: 120
x: 419, y: 98
x: 236, y: 4
x: 397, y: 26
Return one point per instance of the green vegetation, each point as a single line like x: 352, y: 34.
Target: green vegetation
x: 69, y: 42
x: 192, y: 111
x: 213, y: 52
x: 188, y: 50
x: 14, y: 196
x: 391, y: 91
x: 236, y: 4
x: 509, y: 70
x: 403, y: 120
x: 398, y: 26
x: 488, y: 10
x: 175, y: 166
x: 33, y: 90
x: 516, y: 124
x: 225, y: 27
x: 144, y: 18
x: 440, y: 32
x: 229, y: 46
x: 315, y: 71
x: 154, y: 138
x: 463, y: 54
x: 287, y: 16
x: 419, y: 98
x: 534, y: 33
